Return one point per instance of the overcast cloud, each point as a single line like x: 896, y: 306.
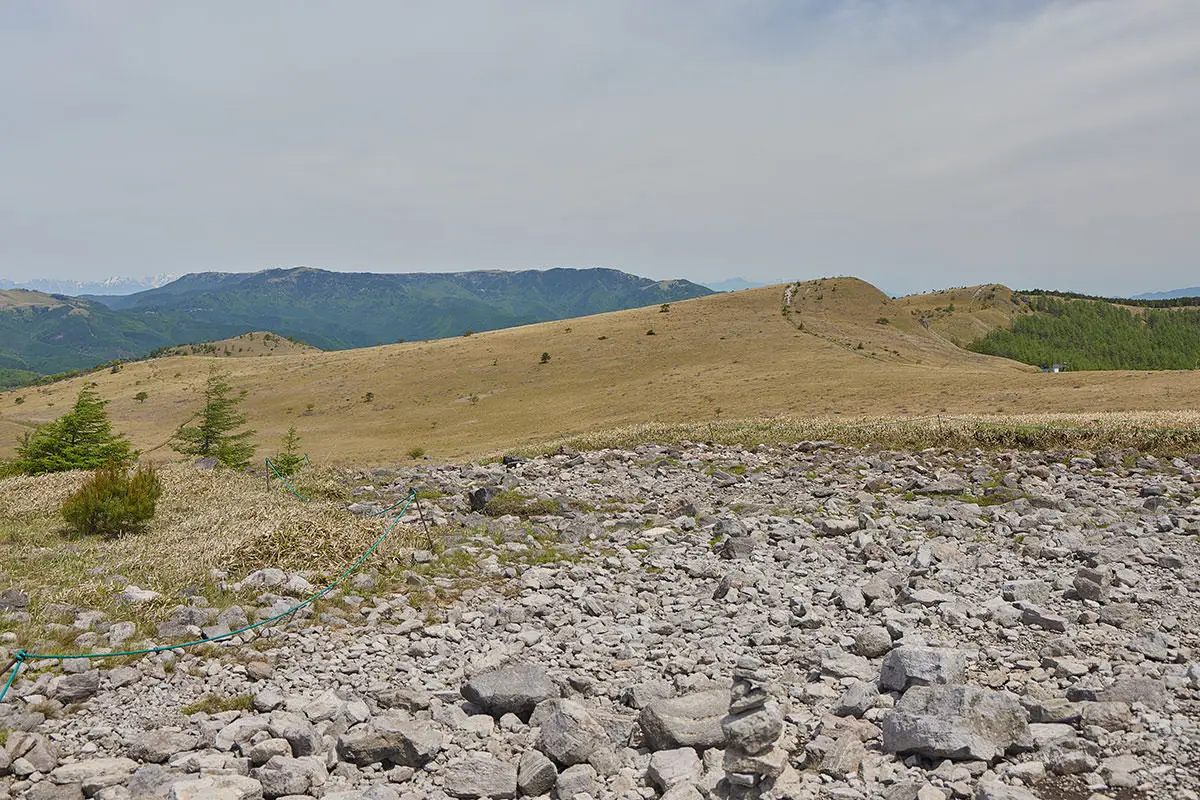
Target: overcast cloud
x: 915, y: 143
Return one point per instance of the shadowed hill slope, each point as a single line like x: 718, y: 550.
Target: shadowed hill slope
x: 716, y: 357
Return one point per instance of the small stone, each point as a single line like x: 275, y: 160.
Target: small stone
x: 536, y: 774
x: 844, y: 757
x: 134, y: 595
x: 922, y: 666
x: 259, y: 670
x: 480, y: 775
x: 873, y: 641
x: 856, y: 700
x: 671, y: 767
x: 1032, y: 615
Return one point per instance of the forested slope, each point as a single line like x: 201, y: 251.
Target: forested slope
x: 1094, y: 334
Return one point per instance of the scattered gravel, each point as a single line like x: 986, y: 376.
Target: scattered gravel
x: 808, y: 621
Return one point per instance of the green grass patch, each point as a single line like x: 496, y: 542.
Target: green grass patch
x: 518, y: 505
x: 215, y: 704
x: 982, y: 500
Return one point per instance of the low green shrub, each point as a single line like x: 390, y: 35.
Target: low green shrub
x: 112, y: 502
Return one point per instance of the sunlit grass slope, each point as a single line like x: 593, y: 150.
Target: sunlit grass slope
x: 820, y: 350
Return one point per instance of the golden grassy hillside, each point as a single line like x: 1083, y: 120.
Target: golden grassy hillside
x: 249, y: 345
x: 25, y: 298
x: 720, y: 357
x: 965, y: 314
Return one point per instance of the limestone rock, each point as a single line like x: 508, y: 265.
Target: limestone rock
x: 921, y: 666
x: 956, y: 722
x: 569, y: 734
x: 481, y: 775
x: 514, y: 689
x: 692, y: 720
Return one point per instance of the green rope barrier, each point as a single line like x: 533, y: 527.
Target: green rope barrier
x: 384, y: 511
x: 279, y: 475
x: 21, y: 656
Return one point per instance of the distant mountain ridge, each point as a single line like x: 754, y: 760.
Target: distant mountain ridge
x: 1193, y: 291
x: 329, y: 310
x: 732, y: 285
x: 115, y: 285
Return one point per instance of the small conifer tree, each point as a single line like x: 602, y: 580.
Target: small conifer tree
x: 80, y: 439
x: 214, y: 435
x: 290, y: 460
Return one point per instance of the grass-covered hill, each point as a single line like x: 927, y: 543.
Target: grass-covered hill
x: 45, y: 334
x: 714, y: 359
x: 41, y: 333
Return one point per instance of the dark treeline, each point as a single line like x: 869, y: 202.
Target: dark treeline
x: 1169, y: 302
x: 1094, y: 334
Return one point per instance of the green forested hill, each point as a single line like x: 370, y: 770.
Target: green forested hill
x: 41, y: 333
x: 1094, y: 334
x: 330, y: 310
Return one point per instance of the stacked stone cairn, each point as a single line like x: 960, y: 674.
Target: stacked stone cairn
x: 755, y: 756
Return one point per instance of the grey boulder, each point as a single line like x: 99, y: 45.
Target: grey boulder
x: 392, y: 739
x: 481, y: 775
x: 569, y: 734
x: 515, y: 689
x: 921, y: 666
x: 155, y: 747
x: 692, y: 720
x: 956, y: 722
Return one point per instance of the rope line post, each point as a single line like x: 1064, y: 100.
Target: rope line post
x: 15, y: 666
x: 421, y: 514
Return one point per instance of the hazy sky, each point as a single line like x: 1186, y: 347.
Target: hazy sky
x: 915, y: 143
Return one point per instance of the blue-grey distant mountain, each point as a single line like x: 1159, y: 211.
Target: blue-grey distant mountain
x: 109, y: 286
x: 330, y: 310
x: 1193, y: 291
x: 732, y: 285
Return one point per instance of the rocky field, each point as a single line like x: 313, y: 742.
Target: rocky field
x: 806, y: 621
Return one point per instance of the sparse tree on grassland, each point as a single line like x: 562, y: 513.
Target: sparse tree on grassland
x: 80, y: 439
x: 290, y: 460
x: 214, y: 435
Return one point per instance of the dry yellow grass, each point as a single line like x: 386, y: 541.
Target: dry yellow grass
x: 1162, y: 433
x: 205, y: 520
x: 254, y: 344
x: 729, y: 356
x: 24, y: 298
